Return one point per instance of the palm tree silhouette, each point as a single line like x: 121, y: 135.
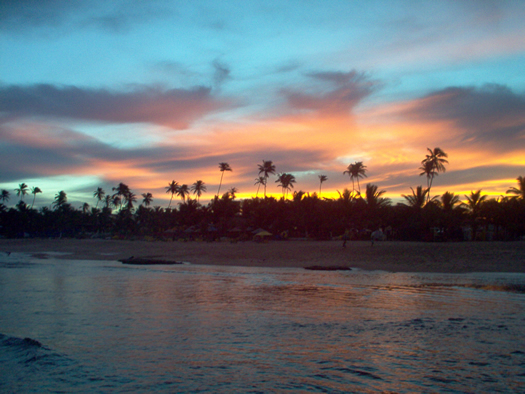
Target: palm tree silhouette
x: 172, y: 188
x: 473, y: 205
x: 21, y: 191
x: 448, y: 201
x: 34, y: 191
x: 5, y: 196
x: 286, y: 182
x: 99, y: 195
x: 474, y: 202
x: 198, y: 188
x: 259, y: 181
x: 373, y: 197
x: 122, y: 192
x: 183, y: 191
x: 519, y: 192
x: 417, y: 199
x: 433, y: 163
x: 60, y: 200
x: 266, y: 168
x: 322, y: 178
x: 356, y: 171
x: 223, y: 167
x: 147, y: 199
x: 131, y: 198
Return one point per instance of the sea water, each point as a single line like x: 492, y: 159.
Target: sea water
x: 101, y: 326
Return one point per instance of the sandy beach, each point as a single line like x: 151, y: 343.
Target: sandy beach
x: 388, y: 256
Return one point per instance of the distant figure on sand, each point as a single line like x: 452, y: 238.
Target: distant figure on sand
x: 377, y: 236
x: 346, y: 237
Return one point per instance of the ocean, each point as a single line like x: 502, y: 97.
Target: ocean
x: 101, y: 326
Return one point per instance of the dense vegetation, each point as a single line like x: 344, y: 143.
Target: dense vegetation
x: 354, y: 214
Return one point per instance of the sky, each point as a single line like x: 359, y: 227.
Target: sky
x: 145, y: 92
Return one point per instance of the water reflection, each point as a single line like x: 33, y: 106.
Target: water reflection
x: 223, y: 329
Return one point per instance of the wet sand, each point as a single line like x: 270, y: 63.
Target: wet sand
x: 387, y: 256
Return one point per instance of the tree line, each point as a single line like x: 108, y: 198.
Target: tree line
x: 354, y: 214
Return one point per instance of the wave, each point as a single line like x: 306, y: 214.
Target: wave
x: 26, y: 364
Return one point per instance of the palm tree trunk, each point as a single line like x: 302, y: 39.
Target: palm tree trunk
x: 220, y: 184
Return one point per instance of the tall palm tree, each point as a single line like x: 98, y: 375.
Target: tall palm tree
x: 5, y: 195
x: 259, y: 181
x: 21, y: 191
x: 147, y: 198
x: 99, y: 195
x: 417, y: 199
x: 223, y: 167
x: 356, y: 171
x: 428, y: 169
x: 183, y: 191
x: 519, y: 192
x: 172, y: 188
x: 322, y: 178
x: 198, y: 188
x: 435, y: 158
x: 266, y: 168
x: 286, y: 182
x: 34, y: 191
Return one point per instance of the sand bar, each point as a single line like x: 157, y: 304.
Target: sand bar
x: 389, y: 256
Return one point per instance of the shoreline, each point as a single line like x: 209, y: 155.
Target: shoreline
x: 392, y: 256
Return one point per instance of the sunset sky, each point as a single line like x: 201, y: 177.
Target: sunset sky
x: 93, y: 93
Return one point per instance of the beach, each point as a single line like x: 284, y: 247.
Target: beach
x: 389, y: 256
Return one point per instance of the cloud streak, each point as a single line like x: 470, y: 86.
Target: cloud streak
x: 173, y: 108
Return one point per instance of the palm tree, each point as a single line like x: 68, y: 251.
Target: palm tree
x: 99, y: 195
x: 131, y: 198
x: 21, y: 191
x: 223, y: 167
x: 122, y: 192
x: 198, y: 188
x: 266, y: 168
x: 4, y: 196
x: 322, y: 178
x: 428, y: 169
x: 474, y: 202
x: 518, y: 191
x: 34, y: 191
x: 286, y: 182
x: 473, y: 205
x: 60, y: 200
x: 356, y: 171
x: 417, y: 199
x: 373, y: 197
x: 436, y: 161
x: 172, y: 188
x: 183, y: 191
x: 259, y: 181
x: 147, y: 199
x: 448, y: 200
x: 85, y: 208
